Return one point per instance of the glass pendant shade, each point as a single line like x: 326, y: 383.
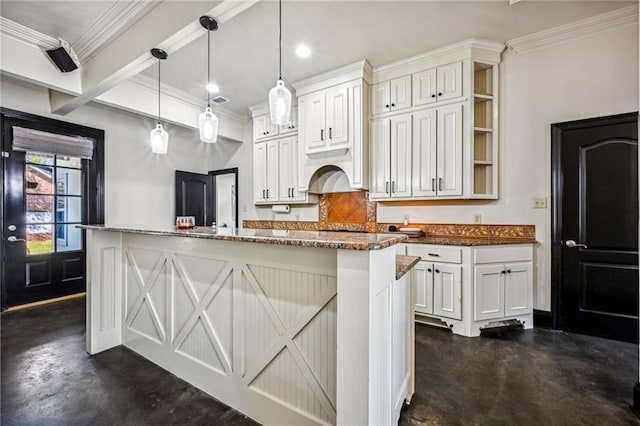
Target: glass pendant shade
x: 208, y: 123
x: 280, y: 104
x: 159, y: 140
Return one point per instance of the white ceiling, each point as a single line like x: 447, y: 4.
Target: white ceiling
x: 244, y: 49
x: 67, y: 20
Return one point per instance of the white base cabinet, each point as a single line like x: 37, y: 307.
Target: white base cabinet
x: 467, y: 288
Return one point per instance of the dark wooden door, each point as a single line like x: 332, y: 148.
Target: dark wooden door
x: 194, y: 197
x: 44, y: 198
x: 596, y: 226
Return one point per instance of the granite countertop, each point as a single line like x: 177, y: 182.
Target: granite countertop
x: 404, y: 264
x: 319, y: 239
x: 466, y: 241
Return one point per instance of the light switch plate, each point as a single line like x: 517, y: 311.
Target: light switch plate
x: 477, y: 218
x: 539, y: 202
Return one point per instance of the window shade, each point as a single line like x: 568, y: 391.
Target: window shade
x: 29, y: 140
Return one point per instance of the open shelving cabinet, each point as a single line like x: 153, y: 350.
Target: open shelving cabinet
x: 485, y: 130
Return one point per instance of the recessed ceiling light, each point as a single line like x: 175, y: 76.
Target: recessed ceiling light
x: 213, y: 88
x: 303, y: 51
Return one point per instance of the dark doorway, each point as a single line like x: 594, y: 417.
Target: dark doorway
x: 595, y: 226
x: 202, y: 196
x: 45, y: 195
x: 194, y: 197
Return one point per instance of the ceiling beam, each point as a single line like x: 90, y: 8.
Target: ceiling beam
x: 169, y: 26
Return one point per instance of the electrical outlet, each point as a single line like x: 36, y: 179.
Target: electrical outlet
x: 477, y: 218
x: 406, y: 219
x: 539, y: 202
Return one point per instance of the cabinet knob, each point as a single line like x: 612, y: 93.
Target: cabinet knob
x: 386, y: 106
x: 393, y: 105
x: 433, y: 96
x: 428, y: 269
x: 439, y: 93
x: 437, y: 271
x: 508, y: 271
x: 503, y: 272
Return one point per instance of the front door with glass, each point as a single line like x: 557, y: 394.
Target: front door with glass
x: 44, y: 249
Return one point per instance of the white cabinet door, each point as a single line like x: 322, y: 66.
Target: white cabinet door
x: 380, y: 159
x: 314, y: 119
x: 424, y: 87
x: 337, y: 119
x: 516, y: 291
x: 488, y: 292
x: 401, y: 134
x: 263, y: 128
x: 424, y: 153
x: 272, y: 171
x: 380, y: 98
x: 287, y: 171
x: 449, y: 81
x: 400, y: 93
x: 424, y: 287
x: 449, y: 136
x: 293, y: 123
x: 447, y: 290
x: 260, y: 173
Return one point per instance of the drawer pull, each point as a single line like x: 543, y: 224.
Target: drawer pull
x: 434, y: 254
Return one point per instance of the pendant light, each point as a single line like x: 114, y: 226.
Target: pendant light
x: 159, y: 137
x: 280, y: 96
x: 208, y: 122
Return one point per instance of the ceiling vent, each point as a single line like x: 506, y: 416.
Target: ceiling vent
x: 219, y: 100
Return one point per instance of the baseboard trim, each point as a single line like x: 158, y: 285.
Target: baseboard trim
x: 542, y: 319
x: 46, y: 302
x: 636, y: 399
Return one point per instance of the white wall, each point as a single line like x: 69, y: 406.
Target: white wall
x: 139, y: 185
x: 591, y: 77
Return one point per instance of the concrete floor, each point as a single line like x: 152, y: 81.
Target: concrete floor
x: 517, y: 378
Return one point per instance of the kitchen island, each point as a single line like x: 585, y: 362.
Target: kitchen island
x: 287, y: 327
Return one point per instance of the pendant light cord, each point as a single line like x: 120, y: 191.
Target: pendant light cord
x: 280, y: 40
x: 208, y: 68
x: 158, y: 90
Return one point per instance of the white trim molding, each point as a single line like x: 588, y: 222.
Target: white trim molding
x: 605, y: 22
x: 26, y: 35
x: 118, y: 16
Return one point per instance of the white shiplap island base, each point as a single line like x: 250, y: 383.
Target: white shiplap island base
x: 305, y: 329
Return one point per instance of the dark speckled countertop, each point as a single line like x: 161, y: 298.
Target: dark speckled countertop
x: 404, y: 264
x: 320, y: 239
x: 466, y: 241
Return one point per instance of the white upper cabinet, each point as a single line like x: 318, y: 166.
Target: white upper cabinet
x: 449, y: 81
x: 288, y: 177
x: 326, y: 119
x: 401, y: 156
x: 424, y: 153
x: 381, y: 159
x: 449, y: 150
x: 292, y: 127
x: 391, y: 95
x: 391, y: 152
x: 424, y: 87
x: 263, y: 128
x: 265, y: 172
x: 337, y: 116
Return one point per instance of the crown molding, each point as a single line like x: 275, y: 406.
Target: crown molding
x: 184, y: 97
x: 472, y: 43
x: 118, y: 16
x: 26, y: 35
x: 356, y: 70
x: 598, y: 24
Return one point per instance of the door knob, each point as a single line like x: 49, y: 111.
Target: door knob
x: 13, y: 239
x: 572, y: 244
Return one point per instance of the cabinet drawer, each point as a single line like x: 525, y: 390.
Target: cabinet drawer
x: 435, y: 253
x: 511, y: 253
